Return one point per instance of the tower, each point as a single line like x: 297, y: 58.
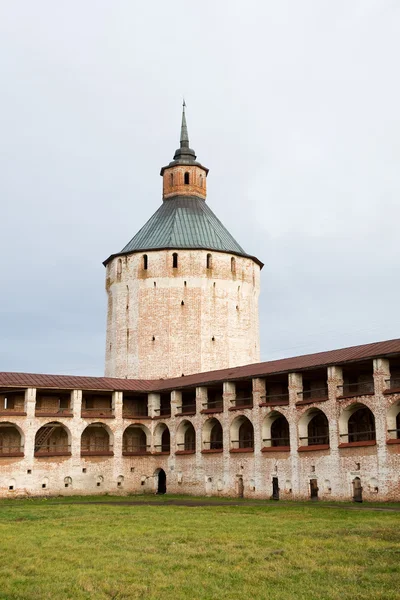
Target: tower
x: 182, y: 294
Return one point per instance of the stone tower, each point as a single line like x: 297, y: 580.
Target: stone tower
x: 182, y: 294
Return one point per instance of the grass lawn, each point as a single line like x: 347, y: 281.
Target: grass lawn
x: 56, y: 549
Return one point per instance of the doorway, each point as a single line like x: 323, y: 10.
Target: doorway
x: 313, y: 489
x: 240, y: 487
x: 161, y: 482
x: 357, y: 490
x: 275, y: 488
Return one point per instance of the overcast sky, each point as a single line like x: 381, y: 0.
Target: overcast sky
x: 294, y: 105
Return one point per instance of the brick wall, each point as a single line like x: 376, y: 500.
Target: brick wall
x: 218, y: 472
x: 166, y: 321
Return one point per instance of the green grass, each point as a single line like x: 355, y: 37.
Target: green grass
x: 57, y: 549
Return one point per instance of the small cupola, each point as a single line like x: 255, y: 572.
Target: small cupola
x: 184, y: 176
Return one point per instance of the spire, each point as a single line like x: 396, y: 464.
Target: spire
x: 184, y: 155
x: 184, y: 130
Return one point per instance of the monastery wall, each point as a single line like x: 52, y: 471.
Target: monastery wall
x: 165, y: 321
x: 201, y: 464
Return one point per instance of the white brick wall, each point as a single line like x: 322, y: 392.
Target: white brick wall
x: 215, y: 327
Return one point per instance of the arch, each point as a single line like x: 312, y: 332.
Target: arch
x: 67, y: 481
x: 212, y: 435
x: 357, y: 424
x: 209, y: 261
x: 233, y: 264
x: 11, y: 440
x: 162, y: 438
x: 314, y: 428
x: 275, y: 430
x: 186, y: 437
x: 242, y: 433
x: 187, y: 178
x: 175, y: 260
x: 53, y: 439
x: 145, y: 262
x: 136, y: 440
x: 361, y: 425
x: 161, y: 481
x: 96, y: 439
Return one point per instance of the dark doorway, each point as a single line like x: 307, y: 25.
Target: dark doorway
x: 313, y: 489
x: 275, y: 488
x: 162, y: 482
x: 357, y: 490
x: 240, y: 487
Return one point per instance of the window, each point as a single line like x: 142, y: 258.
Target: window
x: 209, y: 261
x: 145, y: 262
x: 171, y: 177
x: 201, y: 180
x: 174, y: 260
x: 186, y: 178
x: 233, y: 265
x: 119, y: 268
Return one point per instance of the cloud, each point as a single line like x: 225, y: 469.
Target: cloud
x: 292, y: 105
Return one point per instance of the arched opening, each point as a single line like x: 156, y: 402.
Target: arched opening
x: 190, y: 439
x: 161, y: 481
x: 119, y: 268
x: 171, y: 179
x: 318, y: 430
x: 242, y: 434
x: 166, y: 441
x: 135, y: 440
x: 276, y: 431
x: 314, y: 489
x: 246, y: 435
x: 145, y: 262
x: 357, y: 425
x: 209, y: 261
x: 187, y: 178
x: 233, y: 265
x: 240, y: 487
x: 212, y: 435
x: 11, y: 440
x: 361, y: 426
x: 162, y: 439
x: 175, y: 260
x: 53, y: 439
x: 357, y: 490
x: 216, y: 442
x: 186, y: 438
x: 313, y: 429
x: 96, y: 441
x: 280, y: 432
x: 275, y: 488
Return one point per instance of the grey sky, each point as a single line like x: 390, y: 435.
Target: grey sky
x: 294, y: 107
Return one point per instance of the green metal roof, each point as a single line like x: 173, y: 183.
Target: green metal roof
x: 183, y: 222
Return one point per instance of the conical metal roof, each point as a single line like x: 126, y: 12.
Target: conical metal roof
x: 183, y: 222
